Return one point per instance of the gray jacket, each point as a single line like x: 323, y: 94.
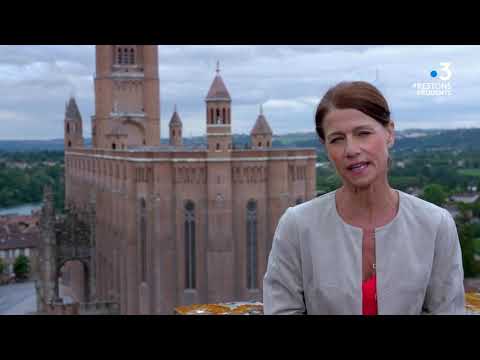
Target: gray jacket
x: 315, y: 266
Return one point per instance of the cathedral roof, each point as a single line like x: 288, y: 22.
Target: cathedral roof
x: 218, y: 90
x: 261, y: 126
x: 71, y: 110
x: 175, y: 120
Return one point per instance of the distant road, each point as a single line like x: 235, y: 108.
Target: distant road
x: 21, y: 299
x: 18, y: 299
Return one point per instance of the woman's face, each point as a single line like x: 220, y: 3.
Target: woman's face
x: 358, y: 146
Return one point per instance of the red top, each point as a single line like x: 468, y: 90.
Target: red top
x: 369, y: 294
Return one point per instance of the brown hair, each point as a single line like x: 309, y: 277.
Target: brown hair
x: 358, y: 95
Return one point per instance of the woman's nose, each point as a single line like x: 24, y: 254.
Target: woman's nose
x: 352, y: 149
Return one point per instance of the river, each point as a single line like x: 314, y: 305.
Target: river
x: 24, y: 209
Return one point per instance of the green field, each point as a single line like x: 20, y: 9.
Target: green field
x: 470, y: 172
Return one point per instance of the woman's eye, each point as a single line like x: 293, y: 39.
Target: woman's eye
x: 334, y: 140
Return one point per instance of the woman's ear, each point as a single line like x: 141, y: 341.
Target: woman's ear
x: 391, y: 134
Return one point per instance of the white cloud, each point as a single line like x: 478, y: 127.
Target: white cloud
x: 294, y: 105
x: 11, y: 116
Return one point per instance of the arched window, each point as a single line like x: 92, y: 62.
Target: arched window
x: 69, y: 144
x: 119, y: 56
x: 173, y: 132
x: 218, y: 116
x: 259, y: 144
x: 218, y: 146
x: 252, y: 245
x: 132, y: 56
x: 125, y: 56
x: 114, y: 146
x: 143, y: 239
x: 190, y: 260
x: 211, y: 116
x: 68, y: 128
x: 268, y: 143
x: 224, y: 116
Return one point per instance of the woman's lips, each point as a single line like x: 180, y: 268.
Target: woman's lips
x: 358, y: 168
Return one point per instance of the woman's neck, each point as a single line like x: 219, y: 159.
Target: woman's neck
x: 369, y: 207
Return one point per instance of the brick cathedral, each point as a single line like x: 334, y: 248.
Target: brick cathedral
x: 176, y: 225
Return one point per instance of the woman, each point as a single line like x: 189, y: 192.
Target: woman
x: 364, y: 248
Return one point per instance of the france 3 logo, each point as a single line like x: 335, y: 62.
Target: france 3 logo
x: 440, y: 84
x: 445, y: 69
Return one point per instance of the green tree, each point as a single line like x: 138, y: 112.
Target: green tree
x: 21, y: 267
x: 21, y: 186
x: 470, y: 266
x: 435, y: 194
x: 476, y: 208
x: 2, y: 266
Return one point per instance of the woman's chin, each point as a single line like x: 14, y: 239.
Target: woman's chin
x: 359, y: 184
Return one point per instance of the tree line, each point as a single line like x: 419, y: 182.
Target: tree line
x: 21, y: 185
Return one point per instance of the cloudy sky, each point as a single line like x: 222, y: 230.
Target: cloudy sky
x: 36, y: 81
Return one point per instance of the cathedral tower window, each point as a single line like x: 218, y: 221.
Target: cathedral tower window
x: 125, y: 56
x: 143, y: 239
x: 132, y: 56
x: 252, y: 245
x: 190, y: 261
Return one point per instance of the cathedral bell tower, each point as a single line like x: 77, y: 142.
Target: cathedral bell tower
x: 73, y: 128
x: 220, y: 242
x: 127, y: 97
x: 219, y: 122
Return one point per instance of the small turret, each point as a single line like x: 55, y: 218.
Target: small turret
x: 73, y: 125
x: 261, y: 134
x: 175, y: 129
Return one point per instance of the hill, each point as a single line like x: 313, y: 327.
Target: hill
x: 407, y: 140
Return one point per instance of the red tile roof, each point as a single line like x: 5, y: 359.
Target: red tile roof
x: 19, y: 232
x: 261, y: 127
x: 218, y: 90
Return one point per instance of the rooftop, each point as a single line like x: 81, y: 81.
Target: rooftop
x: 261, y: 126
x: 19, y: 231
x: 218, y: 91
